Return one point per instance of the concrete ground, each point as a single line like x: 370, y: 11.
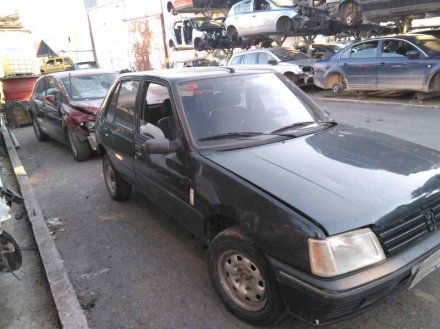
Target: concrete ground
x: 25, y: 304
x: 133, y: 267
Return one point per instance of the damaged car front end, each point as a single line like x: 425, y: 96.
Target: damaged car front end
x: 64, y: 106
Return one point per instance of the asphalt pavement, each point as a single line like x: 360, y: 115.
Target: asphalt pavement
x: 133, y: 267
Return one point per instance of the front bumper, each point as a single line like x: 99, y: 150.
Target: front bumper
x: 321, y: 301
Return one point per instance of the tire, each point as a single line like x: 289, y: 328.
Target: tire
x: 81, y: 150
x: 117, y: 187
x: 350, y: 14
x: 247, y: 284
x: 337, y: 89
x: 233, y: 35
x: 284, y: 25
x: 41, y: 136
x: 198, y: 45
x: 172, y: 45
x: 14, y: 259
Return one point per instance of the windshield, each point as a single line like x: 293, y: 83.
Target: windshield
x: 429, y: 44
x: 205, y: 23
x: 255, y: 104
x: 285, y: 55
x: 87, y: 87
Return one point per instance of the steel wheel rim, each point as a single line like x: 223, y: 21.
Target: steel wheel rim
x: 110, y: 179
x: 242, y: 281
x: 36, y: 128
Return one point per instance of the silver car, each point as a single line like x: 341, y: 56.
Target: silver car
x: 257, y: 18
x: 295, y: 65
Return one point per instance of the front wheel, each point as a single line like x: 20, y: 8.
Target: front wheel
x: 10, y: 253
x: 81, y: 150
x: 243, y: 279
x: 119, y: 189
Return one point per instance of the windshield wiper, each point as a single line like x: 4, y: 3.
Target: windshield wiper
x: 231, y: 135
x: 301, y: 124
x: 293, y: 125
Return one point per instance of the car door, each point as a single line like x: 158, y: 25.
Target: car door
x: 52, y: 118
x: 118, y: 131
x: 49, y: 66
x: 37, y: 101
x: 397, y: 70
x: 243, y: 18
x: 360, y: 65
x: 263, y: 17
x: 163, y: 177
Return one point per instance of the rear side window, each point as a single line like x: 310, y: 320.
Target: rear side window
x: 364, y: 50
x: 41, y: 87
x: 236, y: 60
x: 244, y: 7
x: 111, y: 109
x: 250, y: 58
x: 263, y: 58
x: 124, y: 115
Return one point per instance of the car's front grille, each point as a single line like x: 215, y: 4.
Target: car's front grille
x: 397, y: 237
x: 344, y: 309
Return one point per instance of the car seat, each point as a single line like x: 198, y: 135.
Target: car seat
x: 167, y: 124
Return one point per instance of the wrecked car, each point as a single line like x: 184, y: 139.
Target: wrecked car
x: 255, y: 19
x: 294, y: 65
x: 300, y: 214
x: 199, y: 33
x: 408, y: 62
x: 63, y: 106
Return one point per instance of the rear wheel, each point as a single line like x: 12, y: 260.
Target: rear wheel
x: 233, y: 35
x: 243, y: 279
x: 81, y: 150
x: 284, y: 25
x: 41, y: 136
x: 118, y: 188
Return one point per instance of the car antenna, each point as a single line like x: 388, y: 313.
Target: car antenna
x: 230, y: 69
x: 70, y: 85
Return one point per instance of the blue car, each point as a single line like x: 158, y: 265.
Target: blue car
x: 402, y: 62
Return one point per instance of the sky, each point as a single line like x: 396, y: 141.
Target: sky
x: 52, y: 20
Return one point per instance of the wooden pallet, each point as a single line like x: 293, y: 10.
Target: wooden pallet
x: 17, y: 114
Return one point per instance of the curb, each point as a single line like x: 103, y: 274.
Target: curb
x: 69, y: 310
x: 374, y: 102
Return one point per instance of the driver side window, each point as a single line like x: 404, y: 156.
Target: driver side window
x: 157, y: 119
x: 53, y: 89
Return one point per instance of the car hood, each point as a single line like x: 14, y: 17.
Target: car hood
x: 304, y: 62
x: 89, y: 106
x: 342, y: 178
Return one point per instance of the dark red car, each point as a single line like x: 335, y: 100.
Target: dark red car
x: 64, y: 105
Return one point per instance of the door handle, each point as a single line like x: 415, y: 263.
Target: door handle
x: 382, y: 64
x: 253, y: 15
x: 138, y: 150
x: 345, y: 64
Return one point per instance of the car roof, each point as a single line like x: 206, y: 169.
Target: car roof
x: 408, y: 37
x: 76, y: 73
x: 176, y: 75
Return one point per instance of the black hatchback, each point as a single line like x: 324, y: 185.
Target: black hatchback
x: 300, y: 213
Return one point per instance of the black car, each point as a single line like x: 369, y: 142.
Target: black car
x: 404, y: 62
x: 63, y: 106
x: 300, y: 213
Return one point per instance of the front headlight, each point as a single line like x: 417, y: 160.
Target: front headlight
x: 90, y: 125
x: 344, y: 253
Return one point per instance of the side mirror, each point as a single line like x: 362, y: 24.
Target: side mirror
x: 412, y: 54
x: 51, y: 99
x: 161, y: 146
x: 272, y: 62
